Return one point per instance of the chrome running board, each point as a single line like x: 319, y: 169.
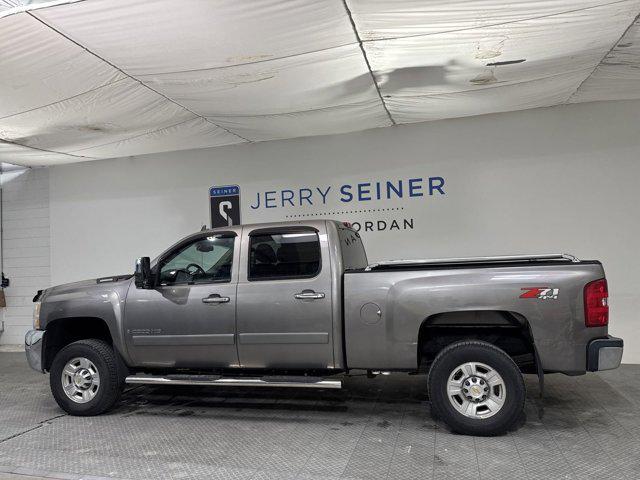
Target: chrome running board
x: 213, y: 381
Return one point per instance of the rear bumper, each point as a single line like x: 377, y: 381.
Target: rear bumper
x: 33, y: 341
x: 604, y: 354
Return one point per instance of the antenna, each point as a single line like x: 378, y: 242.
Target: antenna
x: 204, y: 227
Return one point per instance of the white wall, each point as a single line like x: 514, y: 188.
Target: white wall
x: 25, y: 247
x: 547, y: 180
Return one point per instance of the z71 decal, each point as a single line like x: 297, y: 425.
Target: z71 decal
x: 541, y: 293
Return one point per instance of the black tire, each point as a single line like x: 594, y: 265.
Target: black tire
x: 462, y: 352
x: 101, y: 354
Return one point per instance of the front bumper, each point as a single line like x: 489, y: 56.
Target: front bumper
x: 33, y: 341
x: 604, y: 353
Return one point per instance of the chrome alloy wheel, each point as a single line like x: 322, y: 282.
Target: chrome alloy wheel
x: 476, y: 390
x: 80, y: 380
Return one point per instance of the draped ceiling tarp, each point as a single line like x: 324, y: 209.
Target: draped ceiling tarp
x: 90, y: 79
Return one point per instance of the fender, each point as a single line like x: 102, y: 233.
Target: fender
x: 89, y: 299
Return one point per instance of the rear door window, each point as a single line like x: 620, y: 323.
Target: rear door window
x: 274, y: 256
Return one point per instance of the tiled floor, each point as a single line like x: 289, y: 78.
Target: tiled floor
x: 586, y: 427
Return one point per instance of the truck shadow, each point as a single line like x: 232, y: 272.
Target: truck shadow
x: 383, y: 398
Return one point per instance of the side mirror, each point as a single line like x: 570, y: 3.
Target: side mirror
x: 143, y: 273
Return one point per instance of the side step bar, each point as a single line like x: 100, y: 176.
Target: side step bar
x: 213, y: 381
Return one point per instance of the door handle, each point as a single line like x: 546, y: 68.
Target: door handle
x: 309, y: 295
x: 215, y: 298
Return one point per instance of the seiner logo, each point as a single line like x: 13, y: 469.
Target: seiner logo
x: 542, y: 293
x: 225, y: 205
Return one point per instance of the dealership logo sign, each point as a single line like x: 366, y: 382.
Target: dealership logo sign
x: 348, y: 193
x: 225, y: 205
x: 383, y: 199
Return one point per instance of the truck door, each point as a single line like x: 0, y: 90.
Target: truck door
x: 284, y: 314
x: 188, y: 319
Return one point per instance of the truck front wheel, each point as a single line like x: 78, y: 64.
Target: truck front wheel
x: 84, y: 378
x: 476, y: 388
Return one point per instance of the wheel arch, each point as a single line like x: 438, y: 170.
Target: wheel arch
x: 505, y: 329
x: 65, y: 330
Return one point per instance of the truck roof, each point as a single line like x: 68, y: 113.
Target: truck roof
x: 315, y: 222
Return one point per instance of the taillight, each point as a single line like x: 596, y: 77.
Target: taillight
x: 596, y: 304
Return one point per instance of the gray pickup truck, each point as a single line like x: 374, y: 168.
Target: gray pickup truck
x: 295, y: 304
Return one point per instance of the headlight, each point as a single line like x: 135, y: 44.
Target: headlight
x: 36, y: 315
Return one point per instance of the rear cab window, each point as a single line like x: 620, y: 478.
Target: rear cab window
x: 354, y: 256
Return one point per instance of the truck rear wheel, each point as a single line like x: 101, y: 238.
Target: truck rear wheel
x: 84, y: 378
x: 476, y: 388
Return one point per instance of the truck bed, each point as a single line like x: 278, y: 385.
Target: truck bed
x: 387, y: 303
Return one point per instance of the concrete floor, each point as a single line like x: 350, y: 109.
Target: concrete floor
x: 586, y: 427
x: 16, y: 476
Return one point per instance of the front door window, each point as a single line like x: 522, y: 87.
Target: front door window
x: 206, y: 260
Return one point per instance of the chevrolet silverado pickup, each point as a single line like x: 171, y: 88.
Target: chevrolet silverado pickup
x: 297, y: 304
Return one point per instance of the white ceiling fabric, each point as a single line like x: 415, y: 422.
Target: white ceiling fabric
x: 194, y: 133
x: 39, y: 67
x: 11, y: 7
x: 514, y: 96
x: 321, y: 121
x: 617, y: 77
x: 461, y: 61
x: 28, y: 156
x: 171, y: 36
x: 90, y: 79
x: 116, y: 111
x: 7, y: 5
x: 386, y: 19
x: 325, y: 78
